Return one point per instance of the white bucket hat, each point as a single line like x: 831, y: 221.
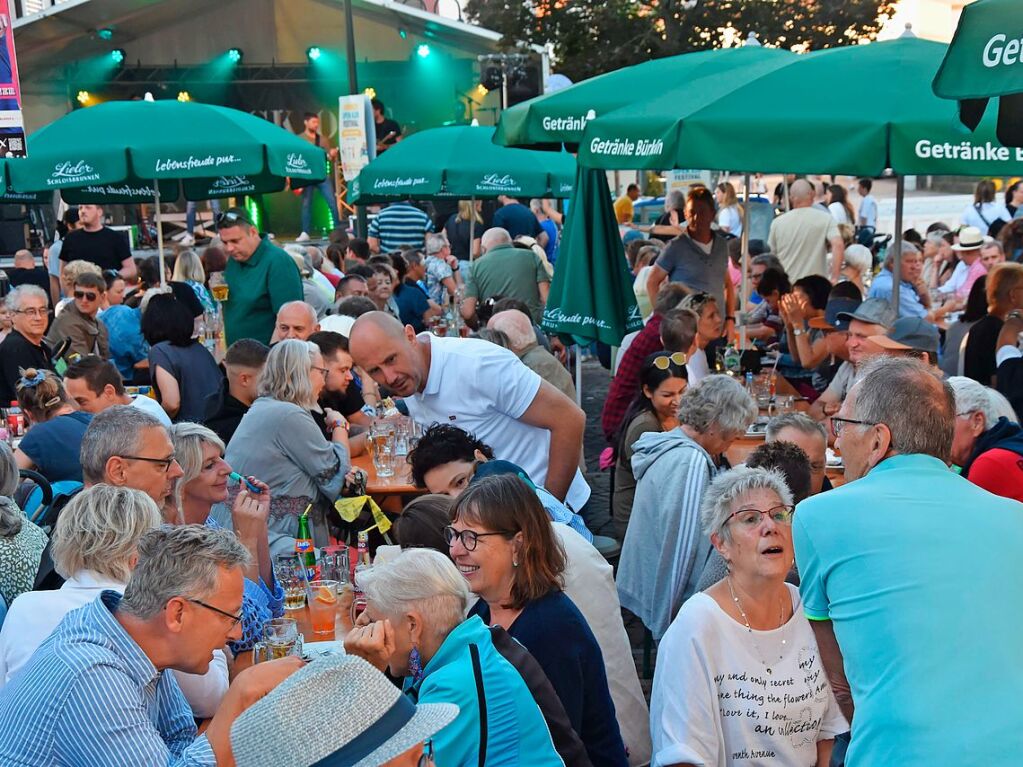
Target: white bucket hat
x: 362, y: 720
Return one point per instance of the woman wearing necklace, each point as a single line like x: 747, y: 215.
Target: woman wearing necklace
x: 744, y: 682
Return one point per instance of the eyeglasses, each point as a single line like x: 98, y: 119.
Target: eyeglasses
x: 164, y: 462
x: 468, y: 538
x: 837, y: 424
x: 426, y: 760
x: 325, y: 371
x: 31, y: 312
x: 664, y: 361
x: 88, y: 295
x: 750, y: 518
x: 230, y: 218
x: 235, y: 619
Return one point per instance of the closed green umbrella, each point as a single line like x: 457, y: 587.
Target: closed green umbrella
x: 985, y: 61
x: 561, y: 117
x: 463, y: 162
x: 591, y: 296
x: 118, y: 150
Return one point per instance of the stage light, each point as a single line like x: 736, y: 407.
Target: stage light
x: 83, y: 97
x: 314, y: 53
x: 117, y: 55
x: 403, y: 33
x: 423, y: 50
x: 184, y: 96
x: 235, y: 55
x: 105, y: 34
x: 371, y: 92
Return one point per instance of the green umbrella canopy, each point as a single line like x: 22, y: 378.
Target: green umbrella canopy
x: 561, y: 117
x: 854, y: 110
x: 462, y: 161
x: 591, y: 295
x: 984, y: 61
x: 131, y: 143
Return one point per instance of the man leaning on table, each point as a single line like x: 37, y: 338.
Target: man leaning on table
x: 94, y: 692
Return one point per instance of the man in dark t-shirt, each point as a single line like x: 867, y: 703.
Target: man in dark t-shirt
x: 24, y: 347
x: 99, y: 244
x: 388, y: 130
x: 25, y: 272
x: 519, y: 220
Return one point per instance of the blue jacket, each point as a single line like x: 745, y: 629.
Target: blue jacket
x: 516, y: 731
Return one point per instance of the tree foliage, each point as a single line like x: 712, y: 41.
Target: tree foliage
x: 595, y: 36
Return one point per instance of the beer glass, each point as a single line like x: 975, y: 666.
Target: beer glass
x: 280, y: 639
x: 292, y: 583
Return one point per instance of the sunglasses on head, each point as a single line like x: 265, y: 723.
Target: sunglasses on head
x: 664, y: 361
x: 88, y: 295
x: 230, y: 218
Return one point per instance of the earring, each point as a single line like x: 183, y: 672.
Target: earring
x: 515, y: 563
x: 415, y: 665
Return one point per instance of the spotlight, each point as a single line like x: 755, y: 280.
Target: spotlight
x: 423, y: 50
x: 403, y: 33
x: 313, y: 53
x: 184, y: 96
x: 492, y: 75
x: 117, y: 55
x: 235, y: 55
x: 371, y: 92
x: 83, y: 97
x: 105, y: 34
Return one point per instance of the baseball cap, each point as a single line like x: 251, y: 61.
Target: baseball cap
x: 831, y: 320
x: 876, y: 311
x: 910, y: 333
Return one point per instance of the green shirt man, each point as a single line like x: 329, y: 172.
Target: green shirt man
x: 261, y: 278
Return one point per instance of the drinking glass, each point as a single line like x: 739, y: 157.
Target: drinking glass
x: 334, y: 564
x: 218, y: 287
x: 292, y: 583
x: 280, y: 639
x: 323, y: 606
x: 382, y: 445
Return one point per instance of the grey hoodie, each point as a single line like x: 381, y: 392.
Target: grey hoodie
x: 664, y: 550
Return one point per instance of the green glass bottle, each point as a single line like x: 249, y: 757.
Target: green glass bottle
x: 305, y: 550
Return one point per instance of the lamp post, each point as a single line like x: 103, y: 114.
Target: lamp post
x: 353, y: 88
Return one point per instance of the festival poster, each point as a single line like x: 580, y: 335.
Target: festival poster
x: 12, y: 126
x: 356, y: 133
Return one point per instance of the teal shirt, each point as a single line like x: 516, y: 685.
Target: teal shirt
x: 258, y: 288
x: 517, y: 734
x: 920, y: 572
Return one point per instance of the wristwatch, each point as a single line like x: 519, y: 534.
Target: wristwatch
x: 797, y: 332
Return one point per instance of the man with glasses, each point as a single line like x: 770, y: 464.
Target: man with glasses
x: 889, y: 570
x: 77, y: 331
x: 261, y: 276
x: 24, y: 347
x: 95, y: 692
x: 127, y: 447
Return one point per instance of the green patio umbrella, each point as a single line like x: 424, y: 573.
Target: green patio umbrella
x: 561, y: 117
x: 591, y: 295
x: 462, y: 162
x: 985, y: 61
x: 118, y: 150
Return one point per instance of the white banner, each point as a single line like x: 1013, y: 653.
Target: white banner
x: 356, y: 134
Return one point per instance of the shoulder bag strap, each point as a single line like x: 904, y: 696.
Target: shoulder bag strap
x: 978, y: 207
x: 481, y: 698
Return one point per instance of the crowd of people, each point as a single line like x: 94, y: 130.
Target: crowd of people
x: 184, y: 423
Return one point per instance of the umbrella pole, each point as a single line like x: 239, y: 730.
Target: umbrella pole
x: 472, y: 229
x: 785, y: 193
x: 744, y: 298
x: 159, y: 232
x: 578, y: 376
x: 900, y: 193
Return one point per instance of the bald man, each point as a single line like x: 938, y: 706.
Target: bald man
x: 483, y: 389
x: 518, y: 328
x: 295, y: 319
x: 800, y: 237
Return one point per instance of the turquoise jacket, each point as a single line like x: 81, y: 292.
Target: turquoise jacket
x: 516, y: 731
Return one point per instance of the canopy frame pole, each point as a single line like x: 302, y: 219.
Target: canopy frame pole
x: 159, y: 232
x: 744, y: 239
x: 785, y: 193
x: 578, y: 375
x: 472, y: 229
x: 900, y: 193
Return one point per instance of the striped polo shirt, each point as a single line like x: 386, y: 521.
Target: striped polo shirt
x: 400, y: 225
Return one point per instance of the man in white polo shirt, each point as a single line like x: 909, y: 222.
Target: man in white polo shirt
x: 483, y: 389
x: 95, y: 385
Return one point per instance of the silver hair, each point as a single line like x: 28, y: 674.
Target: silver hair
x: 907, y: 248
x: 179, y: 561
x: 420, y: 579
x: 11, y: 517
x: 115, y: 431
x: 516, y: 326
x: 769, y: 260
x: 189, y: 440
x: 285, y: 375
x: 728, y: 487
x: 188, y: 266
x: 100, y: 529
x: 719, y: 401
x: 413, y: 257
x: 20, y: 293
x: 858, y: 257
x: 493, y: 237
x: 973, y: 397
x: 435, y: 243
x: 936, y: 237
x: 675, y: 200
x: 315, y: 256
x: 536, y: 205
x: 798, y: 421
x: 894, y: 391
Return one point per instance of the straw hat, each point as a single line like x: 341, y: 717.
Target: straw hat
x: 337, y: 711
x: 970, y: 238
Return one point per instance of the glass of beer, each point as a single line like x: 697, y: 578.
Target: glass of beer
x: 382, y: 447
x: 292, y: 583
x: 218, y: 287
x: 280, y: 639
x: 323, y: 606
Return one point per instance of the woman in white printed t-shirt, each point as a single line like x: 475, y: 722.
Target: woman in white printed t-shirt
x: 739, y: 680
